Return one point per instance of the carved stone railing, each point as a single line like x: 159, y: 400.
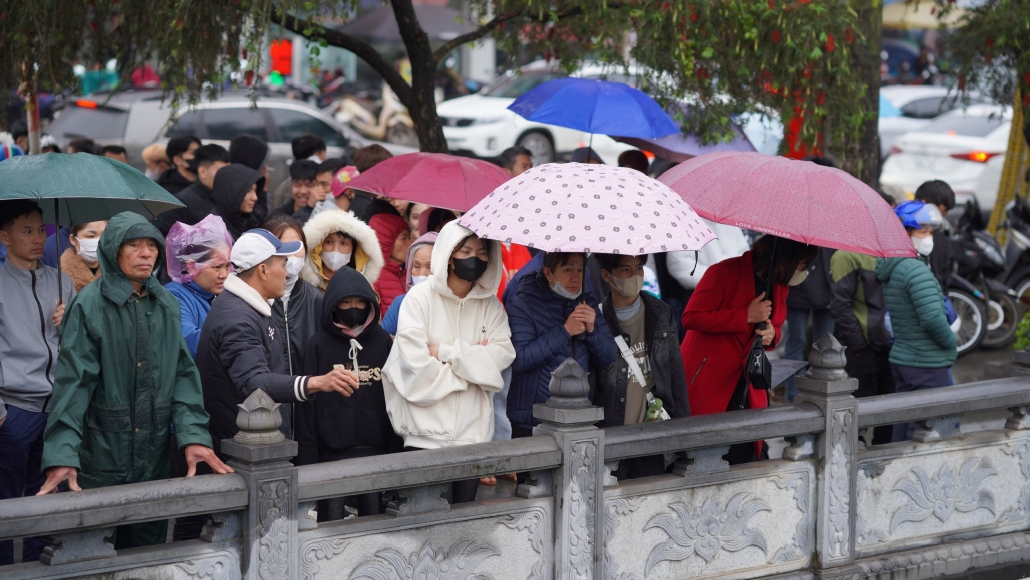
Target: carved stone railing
x: 946, y: 503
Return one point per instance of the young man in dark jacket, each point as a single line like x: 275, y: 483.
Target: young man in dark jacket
x: 239, y: 350
x: 810, y: 299
x: 180, y: 152
x: 332, y: 426
x: 646, y: 336
x: 199, y: 200
x: 938, y: 193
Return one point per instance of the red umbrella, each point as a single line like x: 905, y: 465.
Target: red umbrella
x: 435, y: 179
x: 791, y: 199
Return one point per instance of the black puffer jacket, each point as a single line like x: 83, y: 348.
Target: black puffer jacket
x: 305, y: 309
x: 232, y: 183
x: 814, y: 293
x: 199, y: 203
x: 670, y: 384
x: 331, y: 424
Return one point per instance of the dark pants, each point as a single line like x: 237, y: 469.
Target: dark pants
x: 462, y: 491
x: 367, y: 504
x: 916, y: 379
x: 875, y: 377
x: 637, y: 467
x: 21, y: 455
x: 797, y: 338
x: 145, y: 534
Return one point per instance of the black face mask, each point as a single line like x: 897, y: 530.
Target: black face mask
x: 351, y: 317
x: 469, y: 269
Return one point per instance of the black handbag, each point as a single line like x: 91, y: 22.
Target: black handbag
x: 757, y: 371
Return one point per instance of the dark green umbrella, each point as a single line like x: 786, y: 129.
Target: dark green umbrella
x: 74, y: 188
x: 83, y: 187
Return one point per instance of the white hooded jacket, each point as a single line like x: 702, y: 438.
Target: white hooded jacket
x: 731, y: 242
x: 368, y: 258
x: 448, y: 401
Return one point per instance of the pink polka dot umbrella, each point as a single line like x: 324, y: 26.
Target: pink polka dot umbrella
x: 575, y: 207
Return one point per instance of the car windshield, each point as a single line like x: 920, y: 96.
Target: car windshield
x: 98, y: 123
x: 516, y: 85
x: 966, y: 125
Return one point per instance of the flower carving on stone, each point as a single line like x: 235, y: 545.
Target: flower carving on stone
x: 428, y: 563
x: 707, y: 530
x: 943, y: 494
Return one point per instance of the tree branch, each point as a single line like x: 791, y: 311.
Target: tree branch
x: 360, y: 48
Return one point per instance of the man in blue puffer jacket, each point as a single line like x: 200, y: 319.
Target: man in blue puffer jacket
x: 551, y: 320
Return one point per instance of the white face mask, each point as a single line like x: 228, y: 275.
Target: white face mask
x: 293, y: 266
x: 923, y: 245
x: 627, y: 287
x: 335, y: 260
x: 561, y: 291
x: 88, y: 249
x: 152, y: 174
x: 798, y: 277
x: 416, y: 280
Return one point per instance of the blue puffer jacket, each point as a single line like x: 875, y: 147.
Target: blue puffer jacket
x: 194, y: 303
x: 537, y: 318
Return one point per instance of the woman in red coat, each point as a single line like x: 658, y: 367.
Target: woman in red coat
x: 722, y: 315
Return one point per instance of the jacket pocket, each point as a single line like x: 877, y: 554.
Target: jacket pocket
x: 109, y: 420
x: 162, y: 418
x: 341, y: 428
x: 105, y: 444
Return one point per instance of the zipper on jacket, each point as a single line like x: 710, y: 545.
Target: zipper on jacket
x: 42, y: 330
x: 289, y: 347
x: 698, y: 371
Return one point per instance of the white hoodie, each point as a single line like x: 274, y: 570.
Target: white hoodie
x: 444, y: 402
x: 731, y: 242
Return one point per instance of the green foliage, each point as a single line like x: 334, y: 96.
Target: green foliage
x: 989, y: 49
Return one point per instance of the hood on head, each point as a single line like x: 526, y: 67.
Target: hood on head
x: 344, y: 284
x: 232, y: 183
x: 388, y: 228
x: 425, y: 240
x: 124, y: 227
x: 246, y: 149
x: 368, y: 258
x: 427, y: 216
x: 449, y: 239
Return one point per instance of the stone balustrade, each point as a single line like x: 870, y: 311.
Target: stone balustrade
x: 946, y: 504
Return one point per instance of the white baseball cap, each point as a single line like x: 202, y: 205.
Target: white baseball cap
x: 256, y: 246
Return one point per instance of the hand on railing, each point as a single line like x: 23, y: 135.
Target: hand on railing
x: 54, y: 477
x: 197, y: 453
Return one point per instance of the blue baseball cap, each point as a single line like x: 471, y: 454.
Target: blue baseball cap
x: 256, y: 246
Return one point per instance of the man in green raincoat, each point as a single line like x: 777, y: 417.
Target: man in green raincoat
x: 123, y: 375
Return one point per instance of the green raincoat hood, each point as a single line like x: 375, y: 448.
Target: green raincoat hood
x: 120, y: 229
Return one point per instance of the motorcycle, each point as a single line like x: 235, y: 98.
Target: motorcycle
x: 384, y: 120
x: 979, y: 262
x: 1017, y: 252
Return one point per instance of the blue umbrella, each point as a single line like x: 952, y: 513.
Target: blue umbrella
x: 595, y: 106
x: 887, y: 108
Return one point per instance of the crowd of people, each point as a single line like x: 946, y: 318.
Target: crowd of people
x: 381, y: 326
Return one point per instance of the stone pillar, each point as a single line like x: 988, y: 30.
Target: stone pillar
x: 261, y: 454
x: 827, y: 386
x: 577, y: 486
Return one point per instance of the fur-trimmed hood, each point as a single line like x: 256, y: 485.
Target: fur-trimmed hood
x: 76, y: 269
x: 367, y: 259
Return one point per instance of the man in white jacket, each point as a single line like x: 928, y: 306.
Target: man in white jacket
x: 452, y: 343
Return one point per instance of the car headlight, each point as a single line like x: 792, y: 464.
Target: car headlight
x: 487, y: 121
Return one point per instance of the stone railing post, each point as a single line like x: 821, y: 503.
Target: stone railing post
x: 829, y: 387
x: 261, y: 454
x: 577, y: 485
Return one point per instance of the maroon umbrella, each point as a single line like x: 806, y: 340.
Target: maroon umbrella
x: 435, y: 179
x: 791, y: 199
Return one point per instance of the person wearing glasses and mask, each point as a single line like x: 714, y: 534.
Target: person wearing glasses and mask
x: 452, y: 344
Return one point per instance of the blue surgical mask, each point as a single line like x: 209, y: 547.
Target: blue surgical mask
x: 561, y: 291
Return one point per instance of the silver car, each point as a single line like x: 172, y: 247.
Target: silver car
x: 135, y: 119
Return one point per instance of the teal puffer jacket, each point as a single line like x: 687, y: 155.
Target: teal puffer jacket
x: 922, y: 336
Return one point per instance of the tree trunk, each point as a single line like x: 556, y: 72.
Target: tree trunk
x: 862, y: 158
x: 422, y: 105
x: 31, y: 97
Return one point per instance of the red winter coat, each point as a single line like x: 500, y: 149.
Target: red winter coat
x: 717, y: 329
x: 390, y: 284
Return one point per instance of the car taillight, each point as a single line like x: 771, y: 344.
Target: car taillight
x: 977, y: 156
x: 86, y: 104
x: 895, y: 149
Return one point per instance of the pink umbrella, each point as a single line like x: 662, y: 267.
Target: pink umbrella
x: 574, y: 207
x: 435, y: 179
x: 791, y: 199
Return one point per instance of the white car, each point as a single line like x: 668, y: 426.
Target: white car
x: 956, y: 147
x: 918, y: 105
x: 482, y: 125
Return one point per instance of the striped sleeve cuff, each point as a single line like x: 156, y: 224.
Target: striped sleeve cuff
x: 300, y: 388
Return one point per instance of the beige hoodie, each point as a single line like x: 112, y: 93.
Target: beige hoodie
x: 444, y: 402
